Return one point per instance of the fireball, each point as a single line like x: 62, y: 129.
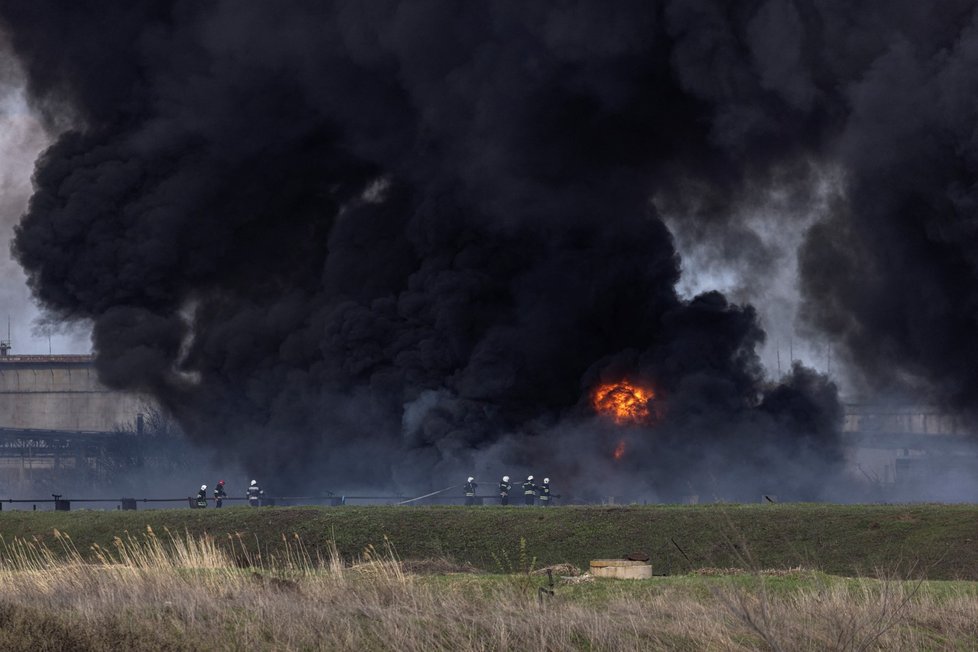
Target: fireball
x: 624, y: 402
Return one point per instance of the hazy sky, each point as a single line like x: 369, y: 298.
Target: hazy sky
x: 22, y: 138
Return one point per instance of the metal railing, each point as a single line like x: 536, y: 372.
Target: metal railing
x: 64, y: 504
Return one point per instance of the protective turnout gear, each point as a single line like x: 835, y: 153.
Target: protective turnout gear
x: 201, y: 500
x: 529, y: 490
x: 469, y: 490
x: 545, y: 492
x: 254, y: 494
x: 504, y: 488
x: 219, y: 494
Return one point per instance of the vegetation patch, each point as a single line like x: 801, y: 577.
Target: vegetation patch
x: 160, y: 591
x: 932, y: 541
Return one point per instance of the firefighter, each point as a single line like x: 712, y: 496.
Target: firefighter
x: 529, y: 490
x: 470, y: 487
x: 219, y: 494
x: 545, y: 492
x: 201, y: 501
x: 504, y: 488
x: 254, y: 494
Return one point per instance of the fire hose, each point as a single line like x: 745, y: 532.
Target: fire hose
x: 433, y: 493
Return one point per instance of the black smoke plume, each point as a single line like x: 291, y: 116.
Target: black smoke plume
x: 382, y: 244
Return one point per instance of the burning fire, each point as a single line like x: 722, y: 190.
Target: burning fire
x: 619, y: 450
x: 624, y: 402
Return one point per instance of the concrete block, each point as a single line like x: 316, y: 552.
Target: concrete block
x: 623, y: 569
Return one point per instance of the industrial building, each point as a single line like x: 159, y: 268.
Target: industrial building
x: 911, y: 451
x: 55, y: 414
x: 61, y: 392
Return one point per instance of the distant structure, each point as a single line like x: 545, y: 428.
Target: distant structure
x: 56, y: 415
x: 61, y: 392
x: 908, y: 446
x: 5, y: 344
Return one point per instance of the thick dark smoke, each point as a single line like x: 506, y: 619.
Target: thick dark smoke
x: 894, y: 273
x: 369, y: 244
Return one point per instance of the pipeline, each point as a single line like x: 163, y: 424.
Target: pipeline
x: 433, y: 493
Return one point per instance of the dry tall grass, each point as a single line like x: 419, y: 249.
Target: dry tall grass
x: 170, y: 592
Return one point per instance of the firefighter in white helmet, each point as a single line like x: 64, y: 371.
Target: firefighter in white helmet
x: 529, y: 490
x: 469, y: 490
x: 254, y: 494
x: 202, y: 496
x: 545, y: 492
x: 504, y: 488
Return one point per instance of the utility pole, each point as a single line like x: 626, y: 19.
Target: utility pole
x: 5, y: 344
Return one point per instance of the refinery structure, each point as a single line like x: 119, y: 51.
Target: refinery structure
x: 61, y: 393
x: 917, y: 448
x: 55, y: 415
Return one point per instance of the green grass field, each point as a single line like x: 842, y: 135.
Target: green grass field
x: 932, y: 541
x: 759, y: 577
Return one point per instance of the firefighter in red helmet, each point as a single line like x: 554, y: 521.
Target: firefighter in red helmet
x: 219, y: 494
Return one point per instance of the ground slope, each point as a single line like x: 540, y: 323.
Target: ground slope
x: 935, y: 541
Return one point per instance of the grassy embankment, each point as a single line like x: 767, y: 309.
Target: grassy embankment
x: 272, y: 579
x: 933, y: 541
x: 157, y: 592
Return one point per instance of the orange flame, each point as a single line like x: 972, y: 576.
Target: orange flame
x: 619, y: 451
x: 624, y: 402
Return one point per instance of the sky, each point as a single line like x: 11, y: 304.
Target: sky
x: 22, y: 139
